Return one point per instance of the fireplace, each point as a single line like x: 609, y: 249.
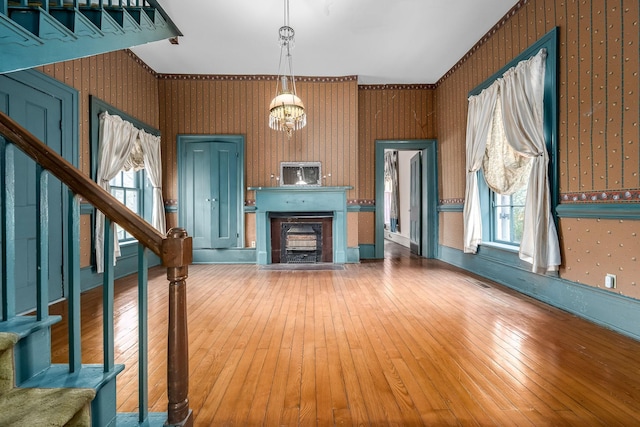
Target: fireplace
x: 302, y: 204
x: 299, y: 238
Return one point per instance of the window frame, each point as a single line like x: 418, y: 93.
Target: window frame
x: 550, y: 123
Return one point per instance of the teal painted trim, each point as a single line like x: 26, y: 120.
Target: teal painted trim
x: 367, y: 251
x: 42, y: 242
x: 107, y: 297
x: 87, y: 209
x: 451, y: 208
x: 74, y: 286
x: 250, y: 209
x: 171, y: 209
x: 599, y: 210
x: 368, y: 208
x: 605, y: 308
x: 549, y: 42
x: 68, y: 97
x: 353, y: 208
x: 353, y: 255
x: 429, y: 192
x: 8, y: 232
x: 154, y: 419
x: 143, y: 334
x: 224, y: 256
x: 239, y: 140
x: 36, y: 52
x: 97, y: 107
x: 301, y: 199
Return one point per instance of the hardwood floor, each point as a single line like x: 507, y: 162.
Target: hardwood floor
x: 405, y: 341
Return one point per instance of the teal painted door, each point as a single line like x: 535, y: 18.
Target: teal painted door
x: 415, y: 205
x: 211, y: 190
x: 41, y: 114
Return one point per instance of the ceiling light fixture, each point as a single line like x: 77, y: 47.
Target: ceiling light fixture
x: 286, y: 111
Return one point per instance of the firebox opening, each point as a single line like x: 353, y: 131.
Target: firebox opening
x: 301, y: 238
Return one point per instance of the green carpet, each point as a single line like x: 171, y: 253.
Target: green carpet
x: 38, y: 407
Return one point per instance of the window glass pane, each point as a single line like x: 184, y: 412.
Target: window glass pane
x: 508, y: 217
x: 117, y: 180
x: 128, y: 178
x: 118, y: 193
x: 132, y: 200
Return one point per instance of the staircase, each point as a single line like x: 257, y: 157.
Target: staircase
x: 39, y: 32
x: 80, y: 394
x: 36, y: 406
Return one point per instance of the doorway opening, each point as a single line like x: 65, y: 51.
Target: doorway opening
x: 422, y: 228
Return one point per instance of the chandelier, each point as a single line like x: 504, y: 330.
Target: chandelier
x: 286, y: 111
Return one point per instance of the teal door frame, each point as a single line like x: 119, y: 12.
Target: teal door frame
x: 429, y: 192
x: 238, y: 140
x: 69, y: 128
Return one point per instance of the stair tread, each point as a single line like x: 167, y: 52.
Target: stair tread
x: 26, y: 325
x: 39, y: 407
x: 89, y: 376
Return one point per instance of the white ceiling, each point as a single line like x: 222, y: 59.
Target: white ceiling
x: 380, y: 41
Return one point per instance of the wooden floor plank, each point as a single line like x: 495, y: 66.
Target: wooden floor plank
x: 400, y: 341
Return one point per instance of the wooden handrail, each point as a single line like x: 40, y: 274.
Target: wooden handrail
x: 175, y: 251
x: 81, y: 184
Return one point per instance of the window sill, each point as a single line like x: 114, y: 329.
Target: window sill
x: 502, y: 246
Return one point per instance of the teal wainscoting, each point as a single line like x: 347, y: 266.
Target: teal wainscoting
x: 611, y: 310
x: 126, y: 264
x: 367, y: 251
x: 225, y: 256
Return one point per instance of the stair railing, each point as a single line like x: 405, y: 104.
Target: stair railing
x: 174, y: 249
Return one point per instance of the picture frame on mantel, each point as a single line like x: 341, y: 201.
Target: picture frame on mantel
x: 300, y: 174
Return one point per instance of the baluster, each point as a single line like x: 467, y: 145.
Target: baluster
x: 74, y: 288
x: 176, y: 256
x: 143, y: 335
x: 42, y: 243
x: 8, y: 232
x: 107, y: 297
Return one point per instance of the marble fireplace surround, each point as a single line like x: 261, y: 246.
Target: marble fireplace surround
x: 303, y: 199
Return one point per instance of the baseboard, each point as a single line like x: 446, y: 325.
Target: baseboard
x: 353, y: 255
x: 397, y: 238
x: 613, y: 311
x: 225, y: 256
x: 367, y: 251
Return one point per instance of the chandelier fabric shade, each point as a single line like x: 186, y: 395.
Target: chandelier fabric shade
x: 286, y: 111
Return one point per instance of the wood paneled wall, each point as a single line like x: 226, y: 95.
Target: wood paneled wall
x: 118, y: 78
x: 214, y: 105
x: 391, y: 112
x: 599, y: 136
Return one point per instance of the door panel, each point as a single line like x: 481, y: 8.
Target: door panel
x: 41, y: 114
x: 415, y: 205
x: 225, y: 195
x: 211, y: 189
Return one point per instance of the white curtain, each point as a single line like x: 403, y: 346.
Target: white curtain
x: 153, y: 166
x: 520, y: 92
x: 391, y: 173
x: 117, y: 139
x: 479, y: 120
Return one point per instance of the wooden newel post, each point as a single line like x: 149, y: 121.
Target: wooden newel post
x: 176, y: 256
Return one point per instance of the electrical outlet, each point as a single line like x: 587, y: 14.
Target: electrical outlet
x: 610, y: 281
x: 253, y: 243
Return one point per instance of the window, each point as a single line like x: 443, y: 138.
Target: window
x: 507, y: 217
x: 129, y: 188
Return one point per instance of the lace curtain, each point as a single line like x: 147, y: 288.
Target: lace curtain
x: 122, y: 146
x: 519, y: 93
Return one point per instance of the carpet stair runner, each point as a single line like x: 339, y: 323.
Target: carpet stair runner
x: 35, y: 407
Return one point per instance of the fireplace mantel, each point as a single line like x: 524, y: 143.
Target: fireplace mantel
x: 300, y: 200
